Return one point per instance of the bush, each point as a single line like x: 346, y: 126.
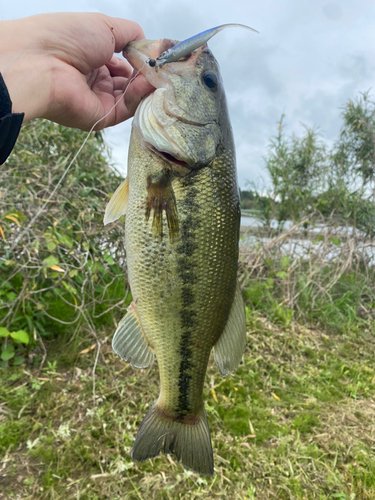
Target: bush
x: 328, y: 196
x: 67, y: 270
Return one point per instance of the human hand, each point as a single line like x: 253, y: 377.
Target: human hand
x: 61, y: 67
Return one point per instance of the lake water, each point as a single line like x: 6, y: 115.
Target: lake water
x: 250, y: 221
x: 303, y: 247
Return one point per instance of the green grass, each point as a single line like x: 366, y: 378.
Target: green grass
x: 348, y: 305
x: 296, y: 421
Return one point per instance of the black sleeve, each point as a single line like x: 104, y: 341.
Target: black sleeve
x: 10, y: 123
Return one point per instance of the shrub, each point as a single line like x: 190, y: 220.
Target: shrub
x: 66, y: 270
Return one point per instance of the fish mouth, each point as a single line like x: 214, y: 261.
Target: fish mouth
x: 183, y: 133
x: 178, y: 166
x: 146, y: 49
x: 139, y: 53
x: 174, y: 160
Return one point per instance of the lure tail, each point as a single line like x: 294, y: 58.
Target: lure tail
x: 182, y: 49
x: 188, y: 442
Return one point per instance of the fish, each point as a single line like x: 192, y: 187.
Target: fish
x: 182, y: 220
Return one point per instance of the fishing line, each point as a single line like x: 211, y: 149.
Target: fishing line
x: 71, y: 163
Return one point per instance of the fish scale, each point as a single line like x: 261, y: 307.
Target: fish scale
x: 181, y: 235
x: 151, y: 267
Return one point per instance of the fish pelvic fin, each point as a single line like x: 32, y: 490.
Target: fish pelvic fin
x: 160, y: 199
x: 189, y: 442
x: 117, y: 204
x: 230, y: 347
x: 130, y: 342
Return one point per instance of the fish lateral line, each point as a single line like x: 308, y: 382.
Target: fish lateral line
x: 183, y: 291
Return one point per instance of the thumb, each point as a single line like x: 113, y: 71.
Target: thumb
x: 123, y: 31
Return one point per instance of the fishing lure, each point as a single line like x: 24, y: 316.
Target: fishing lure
x: 187, y: 46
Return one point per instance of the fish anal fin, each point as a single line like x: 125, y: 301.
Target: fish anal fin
x: 118, y: 203
x: 229, y: 349
x: 129, y: 341
x: 190, y: 443
x: 161, y: 198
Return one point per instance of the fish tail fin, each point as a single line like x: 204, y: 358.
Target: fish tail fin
x: 189, y: 441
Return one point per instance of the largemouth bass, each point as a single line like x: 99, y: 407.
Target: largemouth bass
x: 182, y: 230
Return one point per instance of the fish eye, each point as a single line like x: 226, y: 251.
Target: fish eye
x: 210, y: 80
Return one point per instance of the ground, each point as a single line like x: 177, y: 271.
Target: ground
x: 296, y: 421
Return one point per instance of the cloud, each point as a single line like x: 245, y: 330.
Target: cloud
x: 307, y: 61
x: 332, y: 11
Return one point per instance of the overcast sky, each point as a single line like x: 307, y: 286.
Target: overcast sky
x: 310, y: 57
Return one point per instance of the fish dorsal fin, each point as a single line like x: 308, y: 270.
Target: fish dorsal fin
x: 118, y: 203
x: 129, y: 341
x: 229, y: 349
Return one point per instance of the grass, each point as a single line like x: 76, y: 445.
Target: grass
x: 296, y: 421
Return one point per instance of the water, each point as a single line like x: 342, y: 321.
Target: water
x: 303, y: 247
x: 250, y: 221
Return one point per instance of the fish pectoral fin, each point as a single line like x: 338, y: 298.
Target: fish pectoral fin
x: 118, y: 203
x: 129, y: 341
x: 160, y: 199
x: 229, y: 349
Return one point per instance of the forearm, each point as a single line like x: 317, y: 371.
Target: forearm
x: 25, y: 70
